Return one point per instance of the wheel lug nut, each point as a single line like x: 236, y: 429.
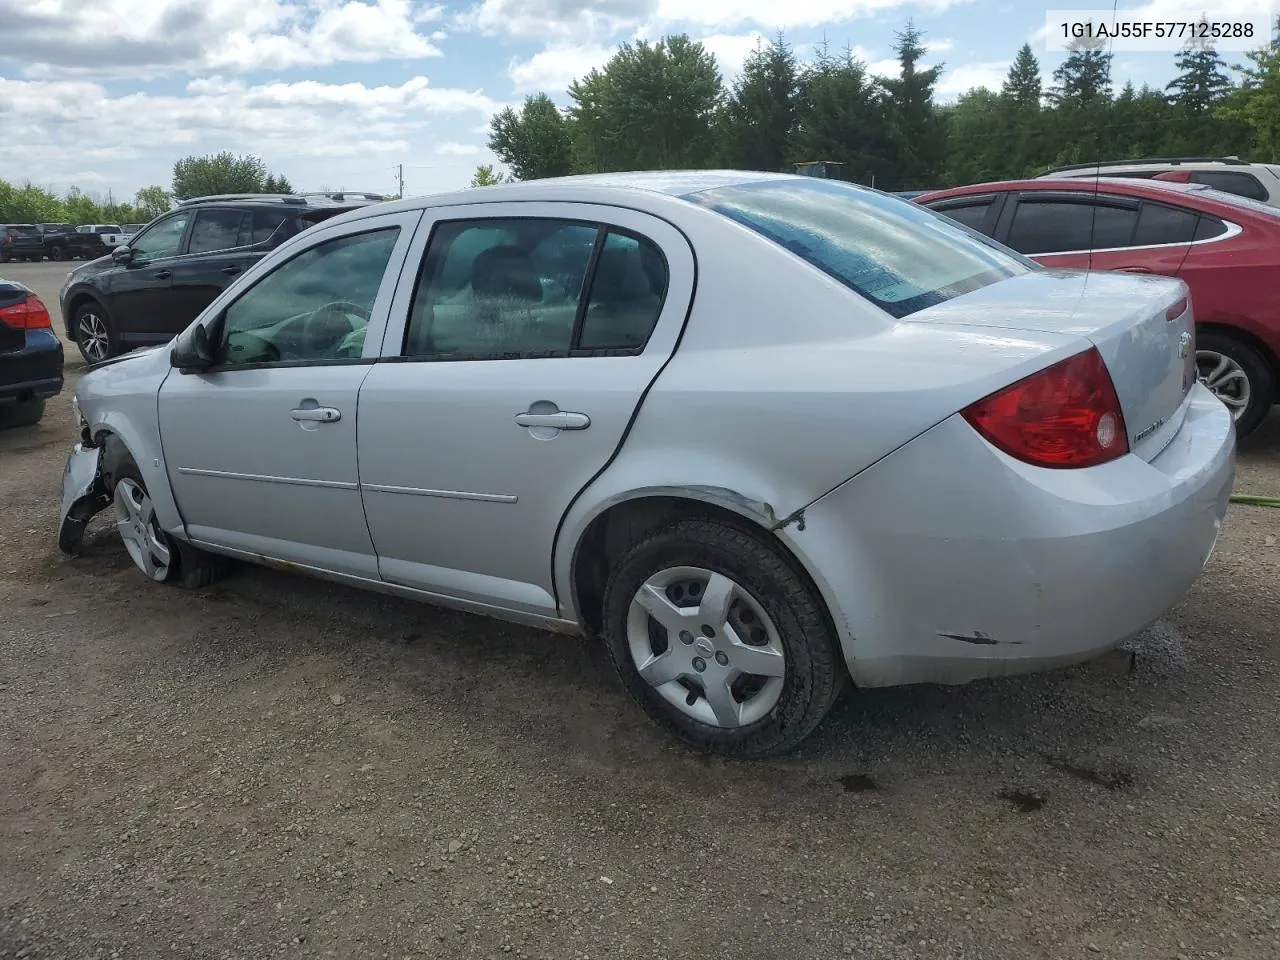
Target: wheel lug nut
x: 699, y: 664
x: 686, y: 637
x: 722, y: 658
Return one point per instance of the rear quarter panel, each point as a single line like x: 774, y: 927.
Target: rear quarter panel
x: 1236, y: 283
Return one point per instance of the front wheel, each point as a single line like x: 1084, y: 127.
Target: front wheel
x: 57, y: 254
x: 1238, y: 376
x: 721, y: 639
x: 159, y: 556
x: 94, y: 333
x: 27, y: 413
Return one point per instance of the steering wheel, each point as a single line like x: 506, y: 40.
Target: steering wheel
x: 329, y: 323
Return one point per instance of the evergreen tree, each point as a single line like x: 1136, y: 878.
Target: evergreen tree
x: 1084, y: 78
x: 1022, y: 85
x: 917, y: 130
x: 1201, y: 84
x: 761, y: 113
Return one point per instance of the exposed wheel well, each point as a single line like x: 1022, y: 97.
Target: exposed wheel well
x: 78, y: 301
x: 613, y: 532
x: 1249, y: 340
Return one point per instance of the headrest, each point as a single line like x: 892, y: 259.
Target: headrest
x: 620, y: 276
x: 506, y: 272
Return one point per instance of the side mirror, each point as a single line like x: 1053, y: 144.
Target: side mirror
x: 122, y: 255
x: 194, y: 351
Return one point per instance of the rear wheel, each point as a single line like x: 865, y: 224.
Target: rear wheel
x: 721, y: 640
x: 1238, y: 376
x: 94, y: 333
x: 159, y: 556
x: 24, y: 414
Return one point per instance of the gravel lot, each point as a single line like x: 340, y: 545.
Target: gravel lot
x: 278, y: 767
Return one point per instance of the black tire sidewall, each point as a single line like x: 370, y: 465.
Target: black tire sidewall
x: 113, y: 346
x: 1261, y: 384
x: 814, y: 666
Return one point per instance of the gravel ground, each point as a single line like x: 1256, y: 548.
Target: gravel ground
x: 278, y: 767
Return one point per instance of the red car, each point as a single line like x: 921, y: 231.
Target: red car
x: 1226, y: 248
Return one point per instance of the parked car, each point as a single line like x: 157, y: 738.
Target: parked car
x: 62, y: 241
x: 763, y: 433
x: 30, y: 356
x: 98, y: 228
x: 1256, y: 181
x: 1226, y: 248
x: 151, y: 287
x: 112, y: 240
x: 20, y: 241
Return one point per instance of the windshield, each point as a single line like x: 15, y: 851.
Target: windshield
x: 24, y: 230
x: 899, y: 255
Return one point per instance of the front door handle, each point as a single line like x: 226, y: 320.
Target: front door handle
x: 560, y: 420
x: 232, y: 270
x: 163, y: 274
x: 1133, y: 270
x: 317, y: 414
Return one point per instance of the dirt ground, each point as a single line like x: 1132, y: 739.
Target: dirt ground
x: 278, y: 767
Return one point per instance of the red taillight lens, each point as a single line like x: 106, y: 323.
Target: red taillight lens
x: 31, y: 314
x: 1067, y: 415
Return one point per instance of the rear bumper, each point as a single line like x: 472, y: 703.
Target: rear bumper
x: 949, y: 561
x: 35, y: 371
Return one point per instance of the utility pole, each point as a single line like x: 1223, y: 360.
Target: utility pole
x: 401, y: 176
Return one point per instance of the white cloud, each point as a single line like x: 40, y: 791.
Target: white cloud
x: 962, y: 79
x: 732, y: 50
x: 128, y: 38
x: 939, y: 46
x: 553, y: 69
x: 451, y: 149
x: 583, y: 21
x: 310, y: 131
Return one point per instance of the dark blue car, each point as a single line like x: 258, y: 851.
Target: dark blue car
x: 30, y: 356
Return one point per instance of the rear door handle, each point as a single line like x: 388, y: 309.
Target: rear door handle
x: 163, y: 274
x: 317, y: 414
x: 561, y: 420
x: 232, y: 270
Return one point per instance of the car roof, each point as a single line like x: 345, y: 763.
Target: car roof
x: 639, y: 189
x: 1120, y: 186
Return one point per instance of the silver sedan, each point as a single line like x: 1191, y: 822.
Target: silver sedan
x: 764, y: 435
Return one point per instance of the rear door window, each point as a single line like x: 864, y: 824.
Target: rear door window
x: 216, y: 230
x: 266, y: 224
x: 1061, y: 226
x: 1159, y: 224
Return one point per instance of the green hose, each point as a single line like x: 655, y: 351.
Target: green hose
x: 1255, y: 501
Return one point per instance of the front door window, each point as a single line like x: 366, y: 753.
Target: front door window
x: 162, y: 240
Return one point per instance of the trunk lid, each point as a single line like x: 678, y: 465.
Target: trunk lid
x: 1142, y: 325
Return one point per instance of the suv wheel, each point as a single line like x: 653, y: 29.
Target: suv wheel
x: 94, y: 334
x: 1238, y: 376
x: 57, y: 253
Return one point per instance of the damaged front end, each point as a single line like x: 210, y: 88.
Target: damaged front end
x: 84, y: 494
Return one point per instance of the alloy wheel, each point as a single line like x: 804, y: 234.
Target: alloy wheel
x: 1226, y: 379
x: 91, y: 331
x: 140, y: 530
x: 707, y: 646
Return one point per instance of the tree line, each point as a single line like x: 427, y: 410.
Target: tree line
x: 665, y: 105
x: 192, y: 177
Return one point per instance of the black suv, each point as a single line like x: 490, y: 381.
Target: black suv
x: 21, y: 241
x: 150, y: 289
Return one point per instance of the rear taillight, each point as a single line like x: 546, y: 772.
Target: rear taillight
x: 31, y: 314
x: 1067, y: 415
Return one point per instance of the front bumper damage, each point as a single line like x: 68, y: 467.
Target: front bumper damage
x: 84, y: 494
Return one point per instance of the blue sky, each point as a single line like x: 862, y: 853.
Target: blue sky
x: 106, y: 94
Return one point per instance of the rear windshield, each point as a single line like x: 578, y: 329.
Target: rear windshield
x: 899, y: 255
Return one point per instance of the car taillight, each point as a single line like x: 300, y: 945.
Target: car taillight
x: 31, y: 314
x: 1067, y: 415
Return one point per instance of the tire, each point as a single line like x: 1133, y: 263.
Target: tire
x: 57, y: 254
x: 94, y: 333
x: 783, y: 609
x: 187, y: 566
x: 25, y: 414
x: 1248, y: 371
